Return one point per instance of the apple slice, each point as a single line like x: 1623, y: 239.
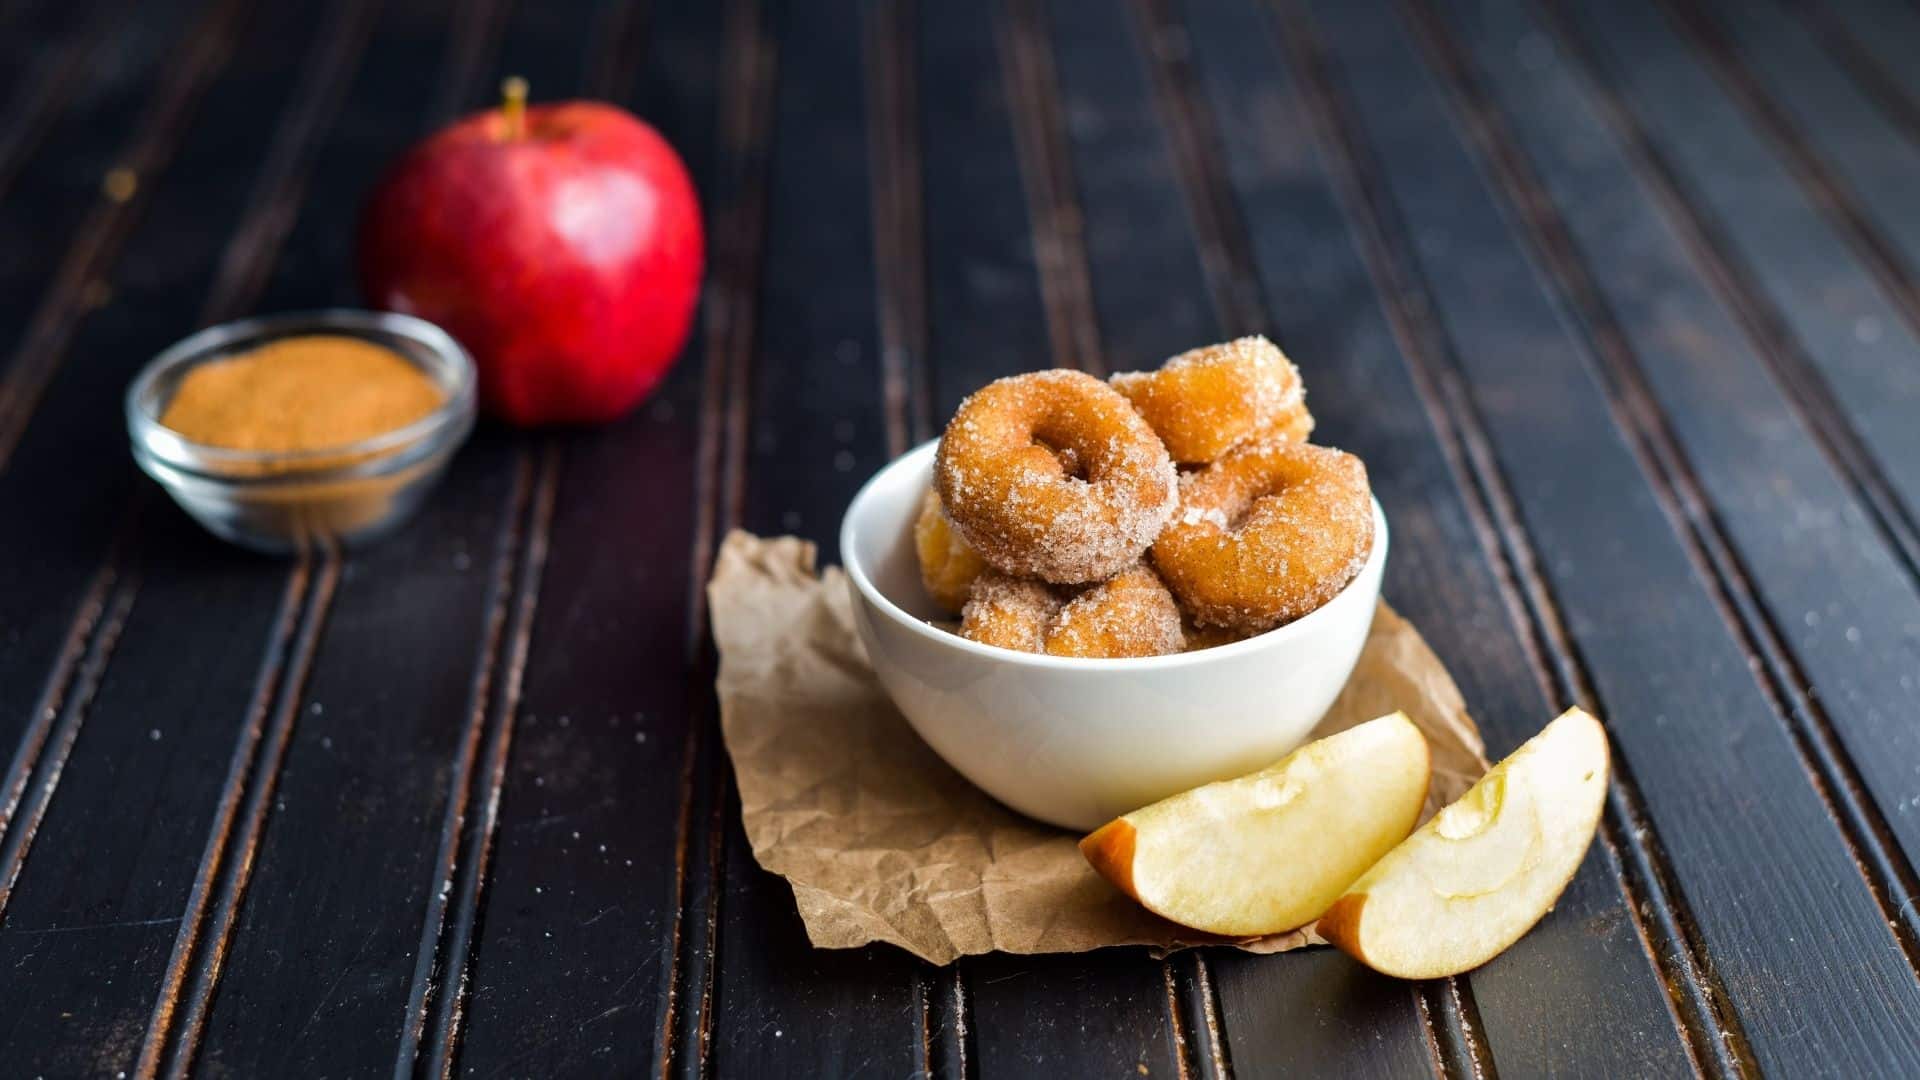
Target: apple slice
x: 1484, y: 870
x: 1270, y: 850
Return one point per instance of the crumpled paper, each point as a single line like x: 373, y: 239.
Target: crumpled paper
x: 882, y: 841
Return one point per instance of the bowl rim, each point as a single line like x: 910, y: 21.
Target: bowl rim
x: 156, y: 444
x: 1279, y: 636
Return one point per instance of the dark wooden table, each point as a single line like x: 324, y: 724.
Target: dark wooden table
x: 1618, y: 301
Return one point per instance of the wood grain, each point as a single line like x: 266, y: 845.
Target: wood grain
x: 984, y: 288
x: 170, y: 265
x: 1843, y: 339
x: 1617, y: 301
x: 1669, y: 354
x: 898, y: 219
x: 96, y: 243
x: 1335, y: 313
x: 1636, y: 616
x: 894, y: 64
x: 1853, y: 164
x: 437, y: 568
x: 748, y: 68
x: 47, y: 54
x: 1059, y: 248
x: 1858, y: 42
x: 604, y: 654
x: 39, y: 213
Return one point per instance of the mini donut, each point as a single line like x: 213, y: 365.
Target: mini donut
x: 947, y: 565
x: 1004, y: 486
x: 1207, y: 401
x: 1267, y: 534
x: 1007, y: 611
x: 1131, y: 614
x: 1294, y: 426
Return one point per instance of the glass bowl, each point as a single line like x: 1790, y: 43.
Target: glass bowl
x: 284, y: 501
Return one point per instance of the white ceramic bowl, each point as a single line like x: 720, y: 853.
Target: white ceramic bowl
x: 1078, y: 742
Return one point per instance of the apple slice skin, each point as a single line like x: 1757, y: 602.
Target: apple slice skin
x: 1109, y: 849
x: 1301, y: 810
x: 1386, y: 924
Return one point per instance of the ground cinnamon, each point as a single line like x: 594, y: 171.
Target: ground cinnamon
x: 301, y: 393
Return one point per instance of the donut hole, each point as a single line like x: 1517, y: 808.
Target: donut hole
x: 1072, y: 466
x: 1061, y: 432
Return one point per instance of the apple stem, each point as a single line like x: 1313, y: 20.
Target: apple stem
x: 513, y: 105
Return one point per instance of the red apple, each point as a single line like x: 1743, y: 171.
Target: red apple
x: 561, y: 244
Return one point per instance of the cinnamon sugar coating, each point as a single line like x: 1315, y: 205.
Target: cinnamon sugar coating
x: 1267, y: 534
x: 1131, y: 614
x: 1001, y: 477
x: 947, y: 565
x: 1207, y: 401
x: 1010, y: 612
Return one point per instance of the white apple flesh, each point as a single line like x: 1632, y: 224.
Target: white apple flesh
x: 1269, y: 851
x: 1479, y: 875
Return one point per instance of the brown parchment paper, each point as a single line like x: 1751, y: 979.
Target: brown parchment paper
x: 882, y: 841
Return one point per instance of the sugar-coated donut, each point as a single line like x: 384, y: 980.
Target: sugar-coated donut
x: 1010, y: 612
x: 1207, y: 401
x: 1131, y: 614
x: 1267, y: 534
x: 1296, y: 425
x: 1001, y: 478
x: 947, y: 565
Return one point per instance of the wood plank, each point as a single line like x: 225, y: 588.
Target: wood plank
x: 1884, y: 27
x: 44, y: 52
x: 576, y: 940
x: 114, y: 857
x: 36, y: 216
x: 340, y: 877
x: 92, y: 922
x: 738, y: 194
x: 95, y: 122
x: 1801, y: 277
x: 1059, y: 246
x: 1800, y: 541
x: 87, y: 256
x: 898, y: 220
x: 1645, y: 634
x: 1864, y: 37
x: 984, y: 286
x: 1847, y: 154
x: 345, y: 867
x: 1129, y: 191
x: 816, y: 429
x: 1587, y: 960
x: 818, y: 422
